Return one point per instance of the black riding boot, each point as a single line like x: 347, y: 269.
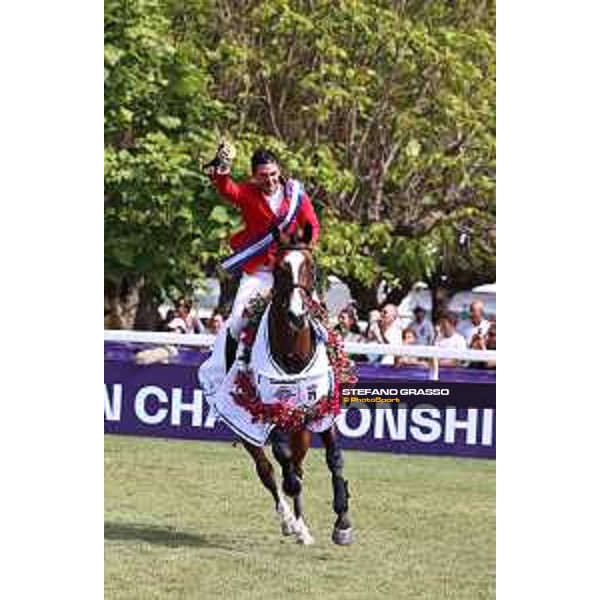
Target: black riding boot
x: 231, y: 345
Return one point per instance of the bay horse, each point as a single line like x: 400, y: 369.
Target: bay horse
x: 293, y: 343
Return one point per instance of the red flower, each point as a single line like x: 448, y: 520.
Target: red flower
x: 248, y: 336
x: 284, y: 413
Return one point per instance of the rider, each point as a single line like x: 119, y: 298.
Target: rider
x: 264, y: 201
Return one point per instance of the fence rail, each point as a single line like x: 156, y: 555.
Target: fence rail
x: 207, y: 340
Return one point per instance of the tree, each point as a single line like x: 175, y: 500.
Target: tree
x: 387, y: 111
x: 384, y: 109
x: 162, y: 225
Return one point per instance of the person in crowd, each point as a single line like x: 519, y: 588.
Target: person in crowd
x: 490, y: 338
x: 477, y: 325
x: 487, y: 342
x: 448, y: 337
x: 373, y: 333
x: 422, y: 327
x: 409, y: 338
x: 490, y: 344
x: 390, y: 331
x: 347, y: 325
x: 215, y: 322
x: 184, y: 321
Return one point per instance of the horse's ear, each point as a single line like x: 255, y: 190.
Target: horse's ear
x: 307, y: 234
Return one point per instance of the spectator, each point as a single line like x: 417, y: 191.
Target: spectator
x: 490, y: 344
x: 477, y: 324
x: 490, y: 338
x: 449, y: 338
x: 215, y: 322
x: 349, y: 330
x: 169, y: 316
x: 184, y: 321
x: 487, y: 342
x: 373, y: 333
x: 347, y: 325
x: 422, y: 327
x: 391, y: 331
x: 409, y: 338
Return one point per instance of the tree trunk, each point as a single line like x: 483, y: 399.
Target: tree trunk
x: 440, y: 295
x: 147, y: 316
x: 229, y: 285
x: 364, y: 297
x: 129, y: 304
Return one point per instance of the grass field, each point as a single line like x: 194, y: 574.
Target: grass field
x: 191, y: 520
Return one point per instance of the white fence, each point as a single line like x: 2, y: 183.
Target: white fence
x: 433, y: 353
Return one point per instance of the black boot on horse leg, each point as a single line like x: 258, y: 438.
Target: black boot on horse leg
x: 342, y: 529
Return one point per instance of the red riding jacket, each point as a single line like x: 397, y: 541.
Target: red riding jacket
x: 259, y: 218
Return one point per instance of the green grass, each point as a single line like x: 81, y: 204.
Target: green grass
x: 191, y: 520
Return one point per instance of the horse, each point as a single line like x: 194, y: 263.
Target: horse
x: 292, y: 335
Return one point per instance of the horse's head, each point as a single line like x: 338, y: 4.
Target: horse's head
x: 294, y: 278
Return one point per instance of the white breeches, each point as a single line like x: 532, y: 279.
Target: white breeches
x: 258, y: 282
x: 212, y: 371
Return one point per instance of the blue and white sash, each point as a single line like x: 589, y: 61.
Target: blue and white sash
x: 293, y: 191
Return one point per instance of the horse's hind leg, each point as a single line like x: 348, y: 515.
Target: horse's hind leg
x: 342, y: 529
x: 299, y: 444
x: 265, y: 472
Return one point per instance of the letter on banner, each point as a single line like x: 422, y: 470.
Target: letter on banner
x: 487, y: 428
x: 396, y: 429
x: 112, y: 406
x: 178, y: 406
x: 426, y: 418
x: 140, y: 405
x: 452, y: 424
x: 363, y: 427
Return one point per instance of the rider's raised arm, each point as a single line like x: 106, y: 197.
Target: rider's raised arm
x: 308, y: 215
x: 219, y: 171
x: 228, y: 188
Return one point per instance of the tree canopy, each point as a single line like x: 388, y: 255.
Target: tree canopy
x: 384, y: 109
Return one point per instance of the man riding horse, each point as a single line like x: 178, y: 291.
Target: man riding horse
x: 274, y: 211
x: 271, y: 210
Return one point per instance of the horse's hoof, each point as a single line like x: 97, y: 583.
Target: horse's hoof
x: 342, y: 537
x: 288, y: 520
x: 288, y: 527
x: 303, y: 535
x: 305, y: 539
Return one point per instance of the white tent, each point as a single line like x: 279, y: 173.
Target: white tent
x: 486, y: 288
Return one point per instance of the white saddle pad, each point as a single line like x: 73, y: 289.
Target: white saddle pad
x: 306, y: 388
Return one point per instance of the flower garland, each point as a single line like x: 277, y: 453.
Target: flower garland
x: 284, y: 413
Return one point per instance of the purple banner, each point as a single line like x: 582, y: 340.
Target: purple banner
x: 165, y: 401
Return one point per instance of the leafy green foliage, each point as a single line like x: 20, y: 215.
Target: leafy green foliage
x: 384, y: 109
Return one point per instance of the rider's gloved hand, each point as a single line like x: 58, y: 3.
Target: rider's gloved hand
x: 221, y: 163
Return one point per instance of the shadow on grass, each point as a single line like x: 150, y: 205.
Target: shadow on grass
x: 162, y: 536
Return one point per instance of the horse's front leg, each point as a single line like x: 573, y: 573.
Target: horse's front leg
x: 265, y: 472
x: 342, y: 528
x: 299, y: 444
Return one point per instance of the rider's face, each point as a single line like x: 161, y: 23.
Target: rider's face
x: 267, y: 178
